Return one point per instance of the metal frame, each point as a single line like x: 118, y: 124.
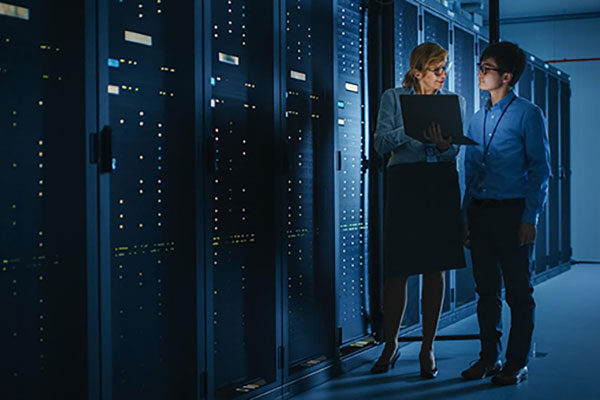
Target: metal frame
x: 92, y: 261
x: 104, y: 210
x: 201, y: 81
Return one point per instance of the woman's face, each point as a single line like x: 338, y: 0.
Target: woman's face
x: 433, y: 77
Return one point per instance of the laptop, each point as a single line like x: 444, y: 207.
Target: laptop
x: 419, y: 111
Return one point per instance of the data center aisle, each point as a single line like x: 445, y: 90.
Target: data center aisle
x: 565, y: 366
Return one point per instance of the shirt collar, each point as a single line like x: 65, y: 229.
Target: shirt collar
x: 502, y: 103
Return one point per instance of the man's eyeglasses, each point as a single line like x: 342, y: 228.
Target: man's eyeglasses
x: 439, y: 71
x: 484, y: 69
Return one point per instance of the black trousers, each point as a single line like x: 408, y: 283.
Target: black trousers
x: 496, y: 254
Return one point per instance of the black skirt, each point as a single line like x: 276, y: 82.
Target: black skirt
x: 422, y: 228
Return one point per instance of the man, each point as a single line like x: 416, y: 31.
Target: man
x: 507, y: 181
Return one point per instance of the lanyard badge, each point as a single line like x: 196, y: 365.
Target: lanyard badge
x: 430, y: 156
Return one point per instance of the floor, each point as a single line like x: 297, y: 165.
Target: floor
x: 566, y: 346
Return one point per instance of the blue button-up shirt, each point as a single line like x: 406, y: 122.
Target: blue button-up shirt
x: 390, y: 137
x: 518, y: 160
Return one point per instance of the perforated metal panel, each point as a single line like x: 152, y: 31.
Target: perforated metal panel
x: 553, y: 204
x: 541, y: 259
x: 308, y: 140
x: 464, y: 68
x: 464, y: 84
x: 525, y: 83
x: 242, y: 262
x: 565, y: 170
x: 437, y: 30
x: 151, y: 108
x: 406, y: 37
x: 42, y: 201
x: 352, y: 146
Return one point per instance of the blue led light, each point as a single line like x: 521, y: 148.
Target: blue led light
x: 113, y: 63
x: 213, y: 81
x: 341, y: 104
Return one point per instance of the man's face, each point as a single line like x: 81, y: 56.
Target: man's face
x: 490, y: 77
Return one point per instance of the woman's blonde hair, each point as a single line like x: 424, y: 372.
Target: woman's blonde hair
x: 422, y: 57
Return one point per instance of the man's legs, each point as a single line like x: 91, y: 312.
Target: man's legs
x: 516, y: 269
x: 487, y: 280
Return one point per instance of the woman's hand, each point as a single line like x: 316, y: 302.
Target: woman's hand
x: 433, y: 133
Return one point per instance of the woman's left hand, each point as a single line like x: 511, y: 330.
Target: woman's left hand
x: 433, y: 133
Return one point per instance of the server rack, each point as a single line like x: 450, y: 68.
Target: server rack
x: 540, y: 97
x: 46, y: 181
x: 464, y: 73
x: 553, y: 185
x: 565, y: 169
x: 147, y: 205
x: 408, y: 34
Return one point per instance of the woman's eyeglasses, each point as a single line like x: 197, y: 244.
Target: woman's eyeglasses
x: 439, y: 71
x: 484, y: 69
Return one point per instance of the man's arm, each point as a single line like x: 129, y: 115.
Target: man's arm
x: 537, y: 155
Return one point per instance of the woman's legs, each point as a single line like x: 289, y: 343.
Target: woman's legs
x: 394, y: 304
x: 434, y: 285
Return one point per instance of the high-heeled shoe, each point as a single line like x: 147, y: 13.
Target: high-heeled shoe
x: 382, y: 368
x: 428, y: 372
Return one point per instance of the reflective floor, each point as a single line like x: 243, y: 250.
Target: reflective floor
x: 565, y: 366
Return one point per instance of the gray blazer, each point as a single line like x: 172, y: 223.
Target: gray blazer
x: 390, y: 136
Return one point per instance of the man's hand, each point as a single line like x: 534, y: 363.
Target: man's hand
x: 433, y: 133
x: 466, y: 236
x: 526, y: 233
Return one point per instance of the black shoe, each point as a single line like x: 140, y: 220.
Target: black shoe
x: 428, y: 373
x: 481, y: 369
x: 382, y: 368
x: 510, y: 375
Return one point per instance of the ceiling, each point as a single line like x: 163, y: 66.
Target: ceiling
x: 538, y: 8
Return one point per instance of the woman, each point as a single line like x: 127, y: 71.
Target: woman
x: 422, y: 225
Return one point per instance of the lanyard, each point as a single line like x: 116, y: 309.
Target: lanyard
x: 487, y: 147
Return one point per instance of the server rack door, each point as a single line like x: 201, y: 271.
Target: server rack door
x: 147, y: 94
x: 526, y: 82
x: 539, y: 97
x: 464, y: 84
x: 406, y: 38
x: 437, y: 29
x: 43, y: 172
x: 243, y: 299
x: 565, y: 171
x: 553, y: 205
x: 308, y: 206
x: 351, y: 178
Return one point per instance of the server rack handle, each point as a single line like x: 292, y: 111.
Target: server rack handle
x: 106, y: 162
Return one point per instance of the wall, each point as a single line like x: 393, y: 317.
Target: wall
x: 574, y: 39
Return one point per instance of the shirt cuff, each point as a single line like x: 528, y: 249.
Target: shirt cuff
x: 530, y: 216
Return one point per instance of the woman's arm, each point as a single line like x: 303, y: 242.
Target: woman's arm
x: 389, y: 133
